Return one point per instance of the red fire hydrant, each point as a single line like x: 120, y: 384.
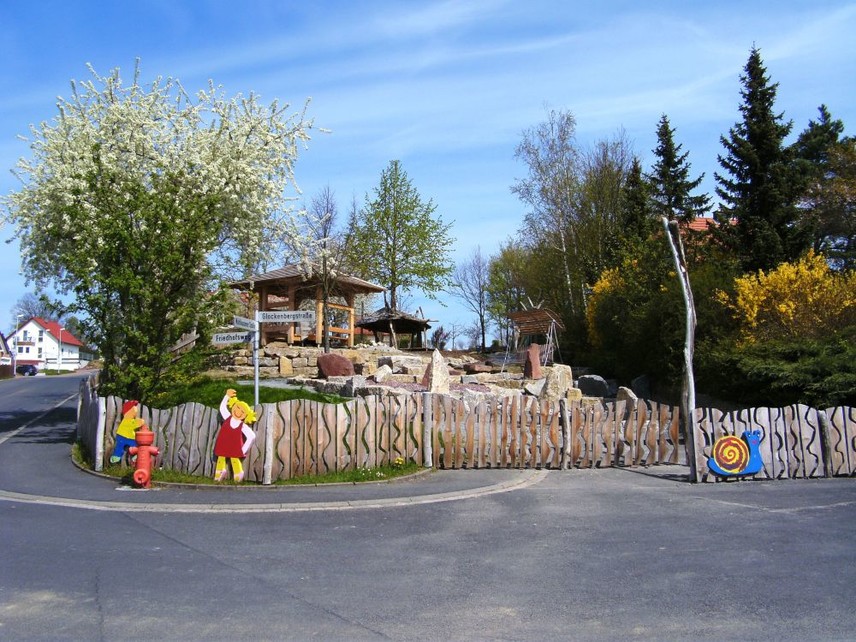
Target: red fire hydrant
x: 145, y: 453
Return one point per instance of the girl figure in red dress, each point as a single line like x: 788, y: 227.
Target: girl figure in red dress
x: 235, y: 437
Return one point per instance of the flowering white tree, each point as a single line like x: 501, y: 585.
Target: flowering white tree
x: 138, y: 201
x: 313, y: 238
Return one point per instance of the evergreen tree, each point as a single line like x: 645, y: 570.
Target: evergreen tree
x: 824, y: 165
x: 636, y: 216
x: 757, y: 190
x: 670, y: 184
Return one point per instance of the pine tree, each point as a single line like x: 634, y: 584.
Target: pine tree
x: 637, y: 218
x: 824, y: 166
x: 670, y: 184
x: 757, y: 190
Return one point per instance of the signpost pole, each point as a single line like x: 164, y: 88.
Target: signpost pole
x: 256, y: 360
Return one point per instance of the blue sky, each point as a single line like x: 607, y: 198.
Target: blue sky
x: 447, y: 88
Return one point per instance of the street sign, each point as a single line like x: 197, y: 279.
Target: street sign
x: 243, y: 322
x: 223, y: 338
x: 286, y: 316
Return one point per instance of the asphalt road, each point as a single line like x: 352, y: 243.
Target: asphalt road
x: 452, y: 555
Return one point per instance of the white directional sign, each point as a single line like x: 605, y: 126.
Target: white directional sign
x: 243, y: 322
x: 222, y: 338
x: 286, y: 316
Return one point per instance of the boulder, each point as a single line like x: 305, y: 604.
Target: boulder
x: 641, y: 386
x: 532, y: 365
x: 436, y: 377
x: 382, y: 373
x: 334, y: 365
x: 593, y: 386
x: 558, y: 380
x: 628, y: 396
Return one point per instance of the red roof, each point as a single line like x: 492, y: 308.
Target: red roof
x: 53, y: 329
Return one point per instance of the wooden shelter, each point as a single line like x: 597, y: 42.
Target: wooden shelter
x: 395, y: 322
x: 288, y: 287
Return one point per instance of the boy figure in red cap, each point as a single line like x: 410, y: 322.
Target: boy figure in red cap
x: 125, y: 434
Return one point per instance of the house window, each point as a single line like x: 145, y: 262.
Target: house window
x: 41, y: 335
x: 40, y: 353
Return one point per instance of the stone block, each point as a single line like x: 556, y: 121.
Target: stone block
x: 398, y: 362
x: 476, y: 368
x: 285, y: 367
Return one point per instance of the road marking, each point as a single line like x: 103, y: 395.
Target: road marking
x: 529, y: 478
x: 9, y: 435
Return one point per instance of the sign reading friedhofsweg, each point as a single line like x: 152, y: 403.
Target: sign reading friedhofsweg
x: 285, y: 316
x: 222, y: 338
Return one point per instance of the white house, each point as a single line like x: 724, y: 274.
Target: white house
x: 48, y: 346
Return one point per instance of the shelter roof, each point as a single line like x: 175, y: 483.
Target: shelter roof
x: 536, y: 321
x: 380, y: 320
x: 294, y: 274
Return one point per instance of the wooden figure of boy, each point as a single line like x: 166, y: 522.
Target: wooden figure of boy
x: 235, y: 437
x: 127, y: 431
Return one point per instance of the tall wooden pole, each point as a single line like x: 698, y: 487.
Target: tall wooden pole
x: 688, y: 401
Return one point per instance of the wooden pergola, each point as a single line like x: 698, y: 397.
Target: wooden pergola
x: 288, y: 287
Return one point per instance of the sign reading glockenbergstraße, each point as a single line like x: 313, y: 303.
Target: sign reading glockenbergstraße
x: 285, y: 316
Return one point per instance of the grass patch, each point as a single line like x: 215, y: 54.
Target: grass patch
x: 124, y: 473
x: 382, y: 473
x: 209, y: 392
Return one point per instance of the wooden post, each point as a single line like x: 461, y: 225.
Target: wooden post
x: 427, y: 432
x: 688, y: 397
x: 349, y: 300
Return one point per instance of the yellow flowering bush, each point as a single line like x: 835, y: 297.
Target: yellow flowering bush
x: 805, y: 299
x: 610, y: 280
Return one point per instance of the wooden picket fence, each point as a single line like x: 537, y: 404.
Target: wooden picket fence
x: 796, y: 441
x: 302, y: 437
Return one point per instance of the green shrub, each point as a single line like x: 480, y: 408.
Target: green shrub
x: 817, y: 372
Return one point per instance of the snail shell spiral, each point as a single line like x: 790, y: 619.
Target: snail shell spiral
x: 731, y: 454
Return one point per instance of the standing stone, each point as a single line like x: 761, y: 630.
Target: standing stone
x: 436, y: 377
x: 532, y: 365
